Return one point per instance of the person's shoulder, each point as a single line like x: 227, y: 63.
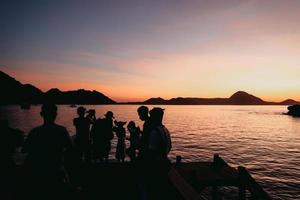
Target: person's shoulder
x: 15, y: 131
x: 158, y: 130
x: 76, y: 119
x: 165, y: 129
x: 99, y: 121
x: 60, y: 128
x: 147, y: 121
x: 147, y: 124
x: 36, y: 129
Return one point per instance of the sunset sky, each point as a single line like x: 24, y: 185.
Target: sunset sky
x: 133, y: 50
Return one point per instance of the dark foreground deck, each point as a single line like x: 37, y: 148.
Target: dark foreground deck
x: 199, y: 176
x: 188, y: 181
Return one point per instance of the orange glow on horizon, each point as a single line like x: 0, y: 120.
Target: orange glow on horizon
x: 121, y: 93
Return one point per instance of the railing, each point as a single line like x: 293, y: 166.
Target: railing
x: 226, y: 176
x: 249, y: 183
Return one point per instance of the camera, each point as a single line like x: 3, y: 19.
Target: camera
x: 91, y: 112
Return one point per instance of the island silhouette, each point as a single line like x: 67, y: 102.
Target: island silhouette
x: 238, y: 98
x: 18, y: 93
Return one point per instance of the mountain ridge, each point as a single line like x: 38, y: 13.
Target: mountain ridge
x: 18, y: 93
x: 238, y: 98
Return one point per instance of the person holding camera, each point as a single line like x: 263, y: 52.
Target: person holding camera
x: 82, y: 140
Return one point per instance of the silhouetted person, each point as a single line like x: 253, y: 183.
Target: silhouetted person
x: 102, y: 134
x: 91, y: 116
x: 121, y: 134
x: 108, y: 132
x: 82, y: 140
x: 10, y: 140
x: 158, y: 149
x: 133, y: 140
x: 143, y: 113
x: 98, y: 139
x: 45, y: 147
x: 159, y: 139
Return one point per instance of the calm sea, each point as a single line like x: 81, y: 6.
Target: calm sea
x: 260, y: 138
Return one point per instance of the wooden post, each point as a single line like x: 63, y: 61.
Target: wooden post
x: 178, y: 160
x: 242, y: 188
x: 216, y: 158
x: 218, y: 161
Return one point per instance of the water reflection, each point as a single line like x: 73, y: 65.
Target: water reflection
x: 258, y: 137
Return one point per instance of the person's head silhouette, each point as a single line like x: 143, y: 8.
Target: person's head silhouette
x: 143, y: 112
x: 119, y: 123
x: 109, y: 115
x: 49, y: 112
x: 131, y: 125
x: 156, y: 115
x: 81, y: 111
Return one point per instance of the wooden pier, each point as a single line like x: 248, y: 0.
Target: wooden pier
x: 187, y: 181
x: 192, y: 178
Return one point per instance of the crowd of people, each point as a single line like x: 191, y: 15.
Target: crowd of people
x: 49, y: 147
x: 93, y: 136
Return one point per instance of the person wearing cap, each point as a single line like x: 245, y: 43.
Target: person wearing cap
x: 91, y: 115
x: 82, y: 140
x: 158, y: 149
x: 46, y: 146
x: 159, y: 138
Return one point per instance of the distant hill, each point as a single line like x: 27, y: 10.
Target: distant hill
x: 243, y: 98
x: 156, y: 101
x: 14, y: 92
x: 289, y: 102
x: 238, y: 98
x: 77, y: 97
